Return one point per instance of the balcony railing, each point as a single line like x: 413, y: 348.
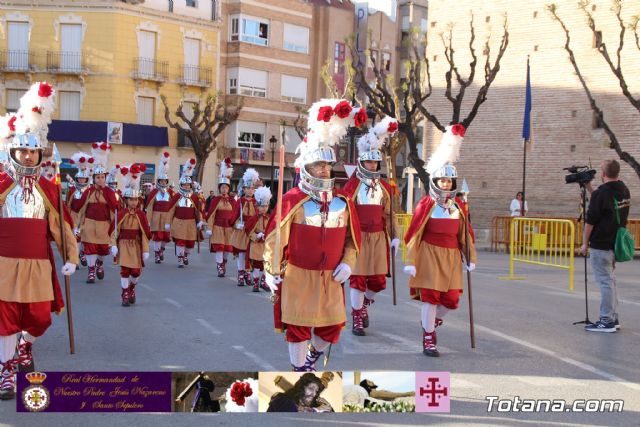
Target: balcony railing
x: 66, y: 62
x: 17, y: 61
x: 195, y: 76
x: 150, y: 69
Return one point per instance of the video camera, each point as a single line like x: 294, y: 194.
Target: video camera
x: 579, y: 174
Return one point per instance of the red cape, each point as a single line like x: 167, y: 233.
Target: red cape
x: 109, y: 195
x: 294, y: 196
x: 50, y: 193
x: 241, y: 202
x: 423, y: 208
x: 214, y: 205
x: 352, y: 185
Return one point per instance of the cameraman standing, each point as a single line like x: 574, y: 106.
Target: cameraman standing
x: 600, y: 232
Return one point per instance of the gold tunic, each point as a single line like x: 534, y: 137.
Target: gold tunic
x: 130, y: 250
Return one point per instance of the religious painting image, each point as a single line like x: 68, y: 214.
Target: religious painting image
x: 375, y: 391
x: 215, y: 391
x: 301, y: 392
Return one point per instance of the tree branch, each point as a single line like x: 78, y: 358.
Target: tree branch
x: 615, y: 144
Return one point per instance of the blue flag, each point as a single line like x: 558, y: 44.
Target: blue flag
x: 526, y: 124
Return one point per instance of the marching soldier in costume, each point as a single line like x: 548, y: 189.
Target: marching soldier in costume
x: 436, y: 241
x: 247, y: 211
x: 29, y: 222
x: 372, y: 197
x: 158, y: 209
x: 220, y: 218
x: 184, y: 214
x: 318, y: 243
x: 255, y: 228
x: 83, y: 162
x: 98, y: 206
x: 130, y: 236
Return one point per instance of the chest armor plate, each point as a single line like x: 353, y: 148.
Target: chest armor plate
x: 369, y: 195
x: 14, y: 207
x: 445, y: 213
x: 332, y: 219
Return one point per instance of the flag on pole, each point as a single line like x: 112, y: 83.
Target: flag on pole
x: 526, y: 125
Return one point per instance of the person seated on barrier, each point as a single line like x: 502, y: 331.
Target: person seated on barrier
x: 600, y: 234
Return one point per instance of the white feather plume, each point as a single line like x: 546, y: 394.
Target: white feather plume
x: 83, y: 161
x: 188, y: 167
x: 37, y: 106
x: 263, y: 195
x: 100, y: 152
x: 226, y: 170
x: 447, y: 152
x: 163, y: 164
x: 250, y: 176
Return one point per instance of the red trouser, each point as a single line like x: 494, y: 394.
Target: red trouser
x: 219, y: 247
x: 374, y: 283
x: 33, y: 317
x: 189, y: 244
x: 447, y: 299
x: 303, y: 333
x: 161, y: 236
x: 95, y: 249
x: 128, y: 271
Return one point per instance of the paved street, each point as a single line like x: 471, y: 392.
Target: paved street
x: 188, y: 319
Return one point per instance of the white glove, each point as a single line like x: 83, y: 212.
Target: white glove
x: 469, y: 267
x: 208, y: 233
x: 410, y: 270
x: 145, y: 256
x: 202, y: 224
x: 394, y: 245
x: 272, y: 281
x: 239, y: 226
x: 114, y: 250
x: 260, y: 235
x: 76, y: 231
x: 68, y: 269
x: 167, y: 227
x: 342, y: 272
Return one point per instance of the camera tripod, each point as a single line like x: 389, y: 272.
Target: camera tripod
x: 583, y: 219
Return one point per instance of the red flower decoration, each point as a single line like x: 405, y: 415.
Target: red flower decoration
x: 36, y: 110
x: 12, y: 123
x: 72, y: 162
x: 360, y: 118
x: 94, y: 145
x: 104, y: 146
x: 45, y: 90
x: 124, y: 171
x: 91, y: 160
x: 458, y: 129
x: 166, y: 154
x: 393, y: 127
x: 134, y: 176
x: 192, y: 161
x: 117, y: 166
x: 82, y: 159
x: 240, y: 391
x: 325, y: 113
x: 143, y: 167
x: 343, y: 109
x: 135, y: 168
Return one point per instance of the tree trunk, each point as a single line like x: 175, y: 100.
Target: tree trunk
x: 201, y: 161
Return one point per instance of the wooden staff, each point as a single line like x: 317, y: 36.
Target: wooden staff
x: 465, y: 193
x: 276, y: 250
x: 63, y: 240
x: 392, y: 252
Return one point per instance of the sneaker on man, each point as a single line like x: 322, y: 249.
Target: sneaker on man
x: 617, y: 324
x: 601, y: 326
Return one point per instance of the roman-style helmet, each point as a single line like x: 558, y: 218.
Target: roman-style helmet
x: 185, y: 177
x: 370, y: 147
x: 163, y: 169
x: 131, y: 178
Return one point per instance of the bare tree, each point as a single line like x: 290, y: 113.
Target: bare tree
x: 405, y: 101
x: 205, y: 125
x: 614, y: 66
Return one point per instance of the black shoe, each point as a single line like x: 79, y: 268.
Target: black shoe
x: 601, y: 326
x: 617, y: 325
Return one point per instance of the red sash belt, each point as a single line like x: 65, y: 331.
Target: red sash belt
x: 185, y: 213
x: 161, y: 206
x: 24, y: 238
x: 98, y: 212
x: 223, y: 218
x: 442, y: 232
x: 76, y: 205
x: 316, y: 248
x: 129, y: 234
x: 370, y: 217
